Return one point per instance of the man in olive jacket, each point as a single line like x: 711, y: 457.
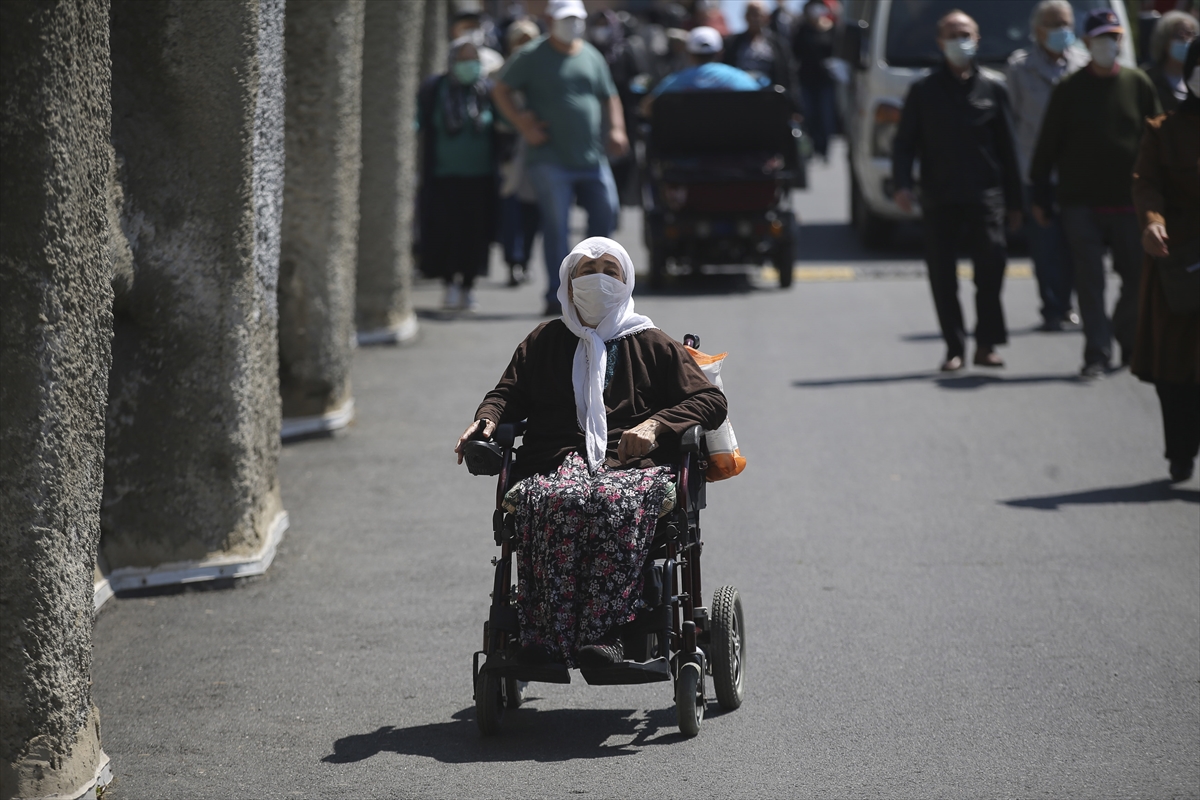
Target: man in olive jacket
x: 956, y: 121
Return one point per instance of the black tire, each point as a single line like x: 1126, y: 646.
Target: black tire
x: 728, y: 648
x: 873, y: 230
x: 784, y: 263
x: 489, y: 703
x: 514, y: 693
x: 689, y: 699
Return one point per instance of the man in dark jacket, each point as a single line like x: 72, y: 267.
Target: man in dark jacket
x: 956, y: 121
x: 760, y: 51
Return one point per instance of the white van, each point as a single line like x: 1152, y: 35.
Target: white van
x: 887, y: 45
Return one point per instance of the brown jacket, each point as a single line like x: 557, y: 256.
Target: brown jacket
x: 654, y: 377
x: 1166, y: 189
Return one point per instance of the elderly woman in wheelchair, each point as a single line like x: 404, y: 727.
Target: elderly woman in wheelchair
x: 606, y: 399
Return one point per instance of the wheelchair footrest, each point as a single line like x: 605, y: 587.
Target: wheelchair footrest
x: 503, y: 667
x: 652, y: 671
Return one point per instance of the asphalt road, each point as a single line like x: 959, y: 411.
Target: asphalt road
x: 968, y: 586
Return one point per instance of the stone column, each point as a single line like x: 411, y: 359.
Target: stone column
x: 55, y: 340
x: 323, y: 42
x: 391, y: 75
x: 435, y: 42
x: 193, y: 418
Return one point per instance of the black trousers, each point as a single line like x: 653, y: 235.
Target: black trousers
x: 980, y: 228
x: 1181, y: 419
x: 461, y: 227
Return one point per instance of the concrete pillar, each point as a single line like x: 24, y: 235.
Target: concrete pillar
x: 190, y: 486
x: 323, y: 42
x: 434, y: 38
x: 391, y: 75
x: 55, y: 339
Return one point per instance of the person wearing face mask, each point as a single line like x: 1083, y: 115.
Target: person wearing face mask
x: 1166, y: 193
x: 573, y: 121
x: 458, y: 201
x: 1032, y: 74
x: 1090, y: 135
x: 956, y: 121
x: 1168, y: 49
x: 606, y: 396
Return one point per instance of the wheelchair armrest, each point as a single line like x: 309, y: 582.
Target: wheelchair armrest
x: 483, y: 458
x: 692, y: 440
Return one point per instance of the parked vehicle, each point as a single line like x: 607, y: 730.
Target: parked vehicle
x: 889, y: 44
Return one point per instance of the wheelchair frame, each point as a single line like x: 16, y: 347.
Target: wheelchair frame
x: 675, y: 638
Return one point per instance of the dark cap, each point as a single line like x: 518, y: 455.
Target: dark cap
x: 1101, y: 21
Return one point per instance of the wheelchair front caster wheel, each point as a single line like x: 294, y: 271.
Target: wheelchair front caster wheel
x: 489, y: 703
x: 689, y: 699
x: 514, y: 693
x: 728, y: 650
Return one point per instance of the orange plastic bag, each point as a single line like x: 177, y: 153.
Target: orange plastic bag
x: 724, y: 458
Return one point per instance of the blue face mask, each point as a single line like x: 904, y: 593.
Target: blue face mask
x: 467, y: 72
x: 1179, y: 50
x: 1060, y: 39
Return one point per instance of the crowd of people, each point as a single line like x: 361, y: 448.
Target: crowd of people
x: 1074, y: 148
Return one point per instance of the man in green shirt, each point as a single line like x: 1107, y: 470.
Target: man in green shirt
x: 1090, y: 135
x: 573, y: 119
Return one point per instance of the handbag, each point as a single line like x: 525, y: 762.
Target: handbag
x: 1179, y: 274
x: 724, y: 458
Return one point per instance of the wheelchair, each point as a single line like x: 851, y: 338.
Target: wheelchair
x: 675, y: 637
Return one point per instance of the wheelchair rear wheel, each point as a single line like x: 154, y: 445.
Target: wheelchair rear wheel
x: 489, y: 703
x: 728, y: 648
x: 689, y: 699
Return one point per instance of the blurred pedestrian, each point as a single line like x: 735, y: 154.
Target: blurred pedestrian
x: 956, y: 122
x: 519, y: 215
x: 1168, y: 48
x: 761, y: 52
x: 573, y: 122
x: 458, y: 174
x: 478, y: 27
x: 1166, y: 192
x: 707, y: 72
x: 1032, y: 75
x: 628, y: 62
x: 708, y: 14
x: 1090, y: 135
x: 813, y: 47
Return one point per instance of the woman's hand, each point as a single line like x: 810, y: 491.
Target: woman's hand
x: 638, y: 441
x: 1154, y: 240
x: 486, y: 426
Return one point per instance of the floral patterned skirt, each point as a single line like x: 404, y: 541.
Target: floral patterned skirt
x: 582, y: 542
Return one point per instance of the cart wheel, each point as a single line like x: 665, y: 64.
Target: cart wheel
x: 689, y: 699
x: 514, y: 693
x: 784, y: 263
x: 728, y: 647
x: 489, y: 703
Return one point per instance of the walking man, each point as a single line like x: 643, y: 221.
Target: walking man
x: 957, y: 122
x: 1032, y: 75
x: 1090, y: 135
x: 573, y: 117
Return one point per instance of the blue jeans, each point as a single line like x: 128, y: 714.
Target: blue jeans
x: 556, y: 186
x: 1051, y: 263
x: 519, y: 222
x: 820, y: 115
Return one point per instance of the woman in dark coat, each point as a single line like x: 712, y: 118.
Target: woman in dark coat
x: 458, y: 175
x: 1166, y: 191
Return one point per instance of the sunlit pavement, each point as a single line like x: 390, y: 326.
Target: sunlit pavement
x: 976, y: 585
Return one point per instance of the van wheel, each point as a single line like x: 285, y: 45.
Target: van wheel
x: 873, y: 230
x: 783, y: 262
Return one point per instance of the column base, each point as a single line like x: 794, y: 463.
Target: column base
x: 402, y: 333
x: 337, y: 419
x: 124, y: 579
x: 43, y: 775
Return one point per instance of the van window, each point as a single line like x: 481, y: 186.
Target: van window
x: 1003, y: 28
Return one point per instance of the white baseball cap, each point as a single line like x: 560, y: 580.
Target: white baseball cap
x: 704, y: 41
x: 561, y: 9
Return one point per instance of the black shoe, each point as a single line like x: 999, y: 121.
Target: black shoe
x: 1051, y: 325
x: 1181, y: 469
x: 605, y: 653
x: 1097, y: 369
x: 952, y: 364
x: 534, y: 655
x: 1072, y: 319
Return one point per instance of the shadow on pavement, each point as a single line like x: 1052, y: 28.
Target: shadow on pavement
x: 1151, y: 492
x: 438, y: 315
x: 837, y: 241
x: 941, y: 380
x: 528, y: 735
x: 937, y: 337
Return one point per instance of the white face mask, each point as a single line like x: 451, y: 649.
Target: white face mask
x: 568, y: 29
x: 596, y: 296
x: 1193, y: 82
x: 959, y: 51
x: 1104, y: 50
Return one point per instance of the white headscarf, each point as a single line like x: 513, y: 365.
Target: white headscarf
x: 591, y: 357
